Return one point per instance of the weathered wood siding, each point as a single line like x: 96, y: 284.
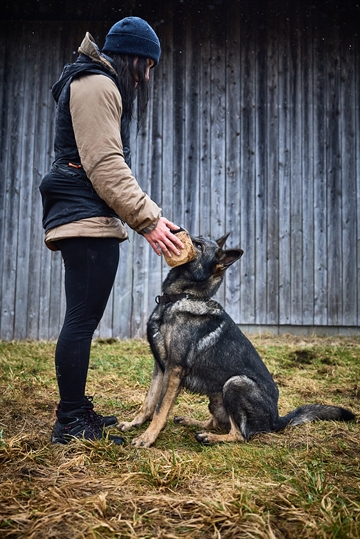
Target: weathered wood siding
x: 253, y: 128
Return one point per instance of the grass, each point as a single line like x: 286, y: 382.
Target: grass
x: 303, y: 482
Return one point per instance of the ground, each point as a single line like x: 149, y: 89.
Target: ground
x: 303, y: 482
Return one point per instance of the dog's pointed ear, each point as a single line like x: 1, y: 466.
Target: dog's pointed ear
x: 229, y: 257
x: 222, y: 240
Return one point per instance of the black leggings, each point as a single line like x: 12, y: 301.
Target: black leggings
x: 90, y: 269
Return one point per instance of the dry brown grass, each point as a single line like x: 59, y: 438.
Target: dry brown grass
x: 302, y: 483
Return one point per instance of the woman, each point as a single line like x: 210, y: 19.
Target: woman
x: 88, y: 195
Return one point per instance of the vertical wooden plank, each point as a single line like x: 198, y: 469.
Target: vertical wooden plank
x: 334, y: 185
x: 307, y: 171
x: 140, y: 289
x: 25, y: 153
x: 192, y: 212
x: 218, y: 113
x: 205, y: 126
x: 35, y: 286
x: 261, y: 170
x: 248, y: 150
x: 272, y: 148
x: 168, y: 149
x: 4, y: 120
x: 296, y: 173
x: 319, y: 179
x: 235, y: 188
x: 140, y: 249
x: 350, y: 289
x: 167, y: 76
x: 179, y: 141
x: 12, y: 180
x: 285, y: 104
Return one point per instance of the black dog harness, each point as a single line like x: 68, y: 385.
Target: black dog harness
x: 171, y: 298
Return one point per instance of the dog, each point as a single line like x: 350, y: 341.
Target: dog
x: 197, y: 346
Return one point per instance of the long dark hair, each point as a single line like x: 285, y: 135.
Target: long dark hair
x: 128, y: 75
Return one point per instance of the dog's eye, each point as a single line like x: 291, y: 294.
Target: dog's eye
x: 198, y: 245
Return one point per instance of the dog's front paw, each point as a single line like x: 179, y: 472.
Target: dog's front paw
x: 124, y: 426
x: 142, y: 441
x: 179, y: 420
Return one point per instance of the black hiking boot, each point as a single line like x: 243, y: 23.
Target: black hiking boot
x: 80, y: 423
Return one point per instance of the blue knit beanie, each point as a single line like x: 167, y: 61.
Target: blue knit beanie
x: 133, y: 35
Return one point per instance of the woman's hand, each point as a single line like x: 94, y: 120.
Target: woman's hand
x: 162, y: 240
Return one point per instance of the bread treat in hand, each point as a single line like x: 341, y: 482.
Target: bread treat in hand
x: 187, y: 254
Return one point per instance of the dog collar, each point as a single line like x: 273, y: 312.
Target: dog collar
x: 171, y: 298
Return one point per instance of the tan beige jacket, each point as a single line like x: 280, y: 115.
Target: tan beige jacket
x: 96, y: 108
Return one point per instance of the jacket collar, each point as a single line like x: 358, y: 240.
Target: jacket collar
x: 91, y: 60
x: 90, y: 49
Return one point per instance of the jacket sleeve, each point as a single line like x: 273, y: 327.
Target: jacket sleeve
x: 96, y: 108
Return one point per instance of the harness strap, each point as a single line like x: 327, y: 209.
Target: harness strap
x: 171, y: 298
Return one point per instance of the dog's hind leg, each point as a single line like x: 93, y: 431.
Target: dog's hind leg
x: 169, y: 391
x: 150, y: 402
x: 250, y: 407
x: 217, y: 420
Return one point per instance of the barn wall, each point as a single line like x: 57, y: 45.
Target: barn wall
x: 253, y: 128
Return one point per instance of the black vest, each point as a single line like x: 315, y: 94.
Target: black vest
x: 67, y: 193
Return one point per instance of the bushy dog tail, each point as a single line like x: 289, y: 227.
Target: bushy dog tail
x: 314, y: 412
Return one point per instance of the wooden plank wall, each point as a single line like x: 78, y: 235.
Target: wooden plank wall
x: 253, y: 128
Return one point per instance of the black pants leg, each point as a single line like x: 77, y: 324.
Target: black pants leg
x: 90, y: 269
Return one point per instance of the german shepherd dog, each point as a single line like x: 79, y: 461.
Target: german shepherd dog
x: 196, y: 345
